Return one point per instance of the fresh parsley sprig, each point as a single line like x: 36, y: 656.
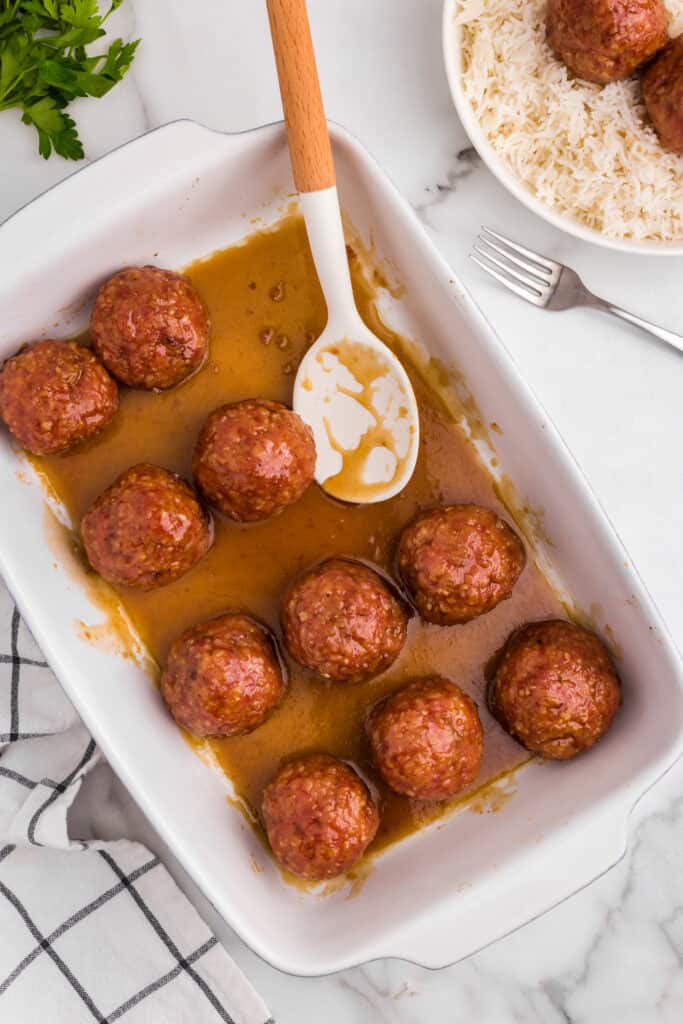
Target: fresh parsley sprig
x: 44, y: 65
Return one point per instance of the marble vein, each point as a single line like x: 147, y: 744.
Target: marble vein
x: 466, y: 161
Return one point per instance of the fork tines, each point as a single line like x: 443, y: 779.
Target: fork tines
x: 523, y: 271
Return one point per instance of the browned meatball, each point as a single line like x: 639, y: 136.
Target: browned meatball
x: 663, y: 94
x: 147, y: 529
x: 426, y: 739
x: 253, y: 459
x: 604, y: 40
x: 222, y: 677
x: 319, y: 816
x: 55, y: 394
x: 149, y: 327
x: 554, y: 689
x: 459, y: 562
x: 341, y: 620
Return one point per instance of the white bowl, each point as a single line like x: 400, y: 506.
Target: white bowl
x: 179, y: 193
x: 452, y: 52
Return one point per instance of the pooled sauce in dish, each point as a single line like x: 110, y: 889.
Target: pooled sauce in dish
x: 266, y: 308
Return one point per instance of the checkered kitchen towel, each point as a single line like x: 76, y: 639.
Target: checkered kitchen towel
x: 88, y: 931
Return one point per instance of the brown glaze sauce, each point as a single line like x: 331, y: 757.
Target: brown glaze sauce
x: 266, y: 308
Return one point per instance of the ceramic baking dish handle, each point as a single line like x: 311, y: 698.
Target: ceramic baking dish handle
x: 524, y: 888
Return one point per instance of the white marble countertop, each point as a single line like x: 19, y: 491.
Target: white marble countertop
x: 613, y: 954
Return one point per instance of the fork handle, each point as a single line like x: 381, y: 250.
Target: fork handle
x: 675, y: 340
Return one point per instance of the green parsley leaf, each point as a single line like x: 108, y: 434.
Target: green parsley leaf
x: 56, y: 130
x: 44, y: 65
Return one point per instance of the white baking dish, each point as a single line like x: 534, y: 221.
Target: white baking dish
x: 179, y: 193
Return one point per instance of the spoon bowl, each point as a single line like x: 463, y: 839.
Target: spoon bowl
x: 359, y: 402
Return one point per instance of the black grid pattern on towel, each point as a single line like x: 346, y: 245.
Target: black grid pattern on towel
x: 123, y: 886
x: 15, y: 659
x: 46, y: 944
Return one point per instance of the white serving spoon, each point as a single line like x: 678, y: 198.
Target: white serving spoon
x: 350, y: 388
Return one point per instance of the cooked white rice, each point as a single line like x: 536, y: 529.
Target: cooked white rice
x: 584, y: 150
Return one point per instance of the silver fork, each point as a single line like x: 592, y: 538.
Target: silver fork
x: 548, y: 284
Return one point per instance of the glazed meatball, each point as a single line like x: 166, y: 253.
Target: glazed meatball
x: 604, y: 40
x: 147, y: 529
x: 149, y: 327
x: 663, y: 94
x: 342, y: 620
x: 426, y: 739
x: 319, y: 816
x: 459, y: 562
x: 554, y: 689
x: 222, y: 677
x: 253, y: 459
x: 55, y: 394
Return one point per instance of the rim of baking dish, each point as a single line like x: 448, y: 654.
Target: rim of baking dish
x: 629, y: 796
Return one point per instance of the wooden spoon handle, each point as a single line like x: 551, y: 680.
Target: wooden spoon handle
x: 309, y: 141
